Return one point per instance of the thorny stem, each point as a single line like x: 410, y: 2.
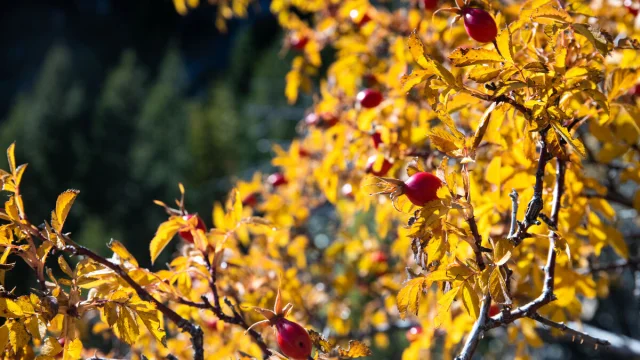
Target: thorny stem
x: 474, y: 337
x: 184, y: 324
x: 574, y: 333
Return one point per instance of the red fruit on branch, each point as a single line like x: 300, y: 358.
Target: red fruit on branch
x: 635, y: 91
x: 354, y: 14
x: 302, y: 152
x: 325, y: 120
x: 347, y: 190
x: 299, y: 43
x: 369, y: 98
x: 631, y: 7
x: 379, y: 256
x: 430, y: 4
x: 377, y: 139
x: 186, y: 234
x: 312, y: 119
x: 422, y: 187
x: 212, y: 324
x: 250, y: 200
x: 293, y: 339
x: 494, y: 310
x: 386, y: 166
x: 413, y: 332
x: 277, y: 179
x: 479, y: 24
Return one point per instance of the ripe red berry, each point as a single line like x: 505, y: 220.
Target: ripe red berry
x: 293, y: 339
x: 277, y: 179
x: 211, y: 324
x: 329, y: 119
x: 250, y: 200
x: 421, y: 188
x: 386, y: 165
x: 299, y: 43
x: 312, y: 119
x: 347, y: 190
x: 369, y: 98
x: 186, y: 234
x: 430, y: 4
x: 302, y: 152
x: 379, y: 256
x: 479, y: 24
x: 494, y: 310
x: 363, y: 21
x: 635, y: 91
x: 377, y: 139
x: 631, y: 7
x: 413, y: 332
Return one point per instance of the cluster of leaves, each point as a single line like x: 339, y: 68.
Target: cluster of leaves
x: 553, y: 92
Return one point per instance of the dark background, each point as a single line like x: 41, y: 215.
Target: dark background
x: 124, y: 99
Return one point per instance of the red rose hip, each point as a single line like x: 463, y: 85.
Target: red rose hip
x: 376, y: 138
x: 379, y: 257
x: 386, y: 166
x: 299, y: 43
x: 430, y: 4
x: 412, y: 334
x: 369, y: 98
x: 186, y: 234
x: 494, y: 310
x: 277, y: 179
x: 293, y: 339
x: 479, y: 24
x: 421, y: 188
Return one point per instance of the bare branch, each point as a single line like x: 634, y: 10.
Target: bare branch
x: 184, y: 324
x: 478, y: 328
x: 536, y: 203
x: 514, y: 212
x: 583, y: 337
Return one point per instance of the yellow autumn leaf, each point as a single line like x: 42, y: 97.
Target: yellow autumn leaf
x: 575, y: 144
x: 64, y: 266
x: 470, y: 300
x: 505, y: 44
x: 356, y: 350
x: 481, y: 74
x: 416, y: 48
x: 464, y: 57
x: 550, y: 14
x: 11, y: 157
x: 413, y: 79
x: 408, y: 299
x: 63, y: 206
x: 50, y: 347
x: 498, y: 287
x: 124, y: 254
x: 72, y: 350
x: 443, y: 140
x: 126, y: 327
x: 450, y: 123
x: 166, y: 231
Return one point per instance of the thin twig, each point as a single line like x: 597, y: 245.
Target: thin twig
x: 184, y: 324
x: 536, y: 203
x: 514, y: 212
x: 478, y: 328
x: 547, y: 295
x: 573, y: 333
